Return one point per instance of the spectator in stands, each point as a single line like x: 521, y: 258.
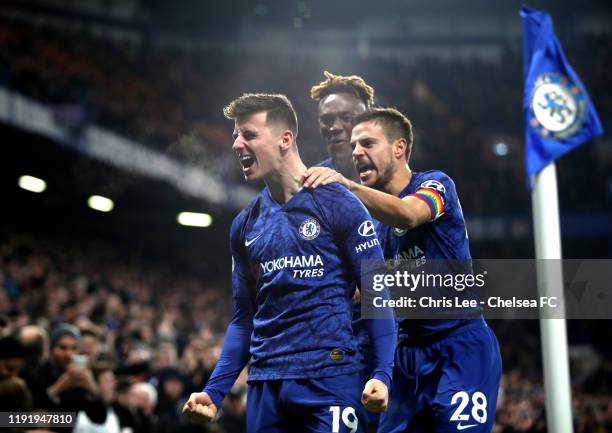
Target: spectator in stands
x: 144, y: 399
x: 60, y: 384
x: 14, y: 394
x: 194, y: 361
x: 126, y: 412
x: 90, y: 345
x: 4, y: 320
x: 107, y: 384
x: 36, y: 343
x: 171, y: 390
x: 234, y: 410
x: 12, y: 355
x: 164, y: 357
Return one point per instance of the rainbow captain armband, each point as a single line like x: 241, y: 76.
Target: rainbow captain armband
x: 434, y: 200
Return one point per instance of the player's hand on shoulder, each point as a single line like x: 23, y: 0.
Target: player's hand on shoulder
x: 375, y: 396
x: 317, y: 176
x: 200, y: 408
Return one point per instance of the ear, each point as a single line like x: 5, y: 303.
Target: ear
x: 399, y: 148
x: 286, y: 139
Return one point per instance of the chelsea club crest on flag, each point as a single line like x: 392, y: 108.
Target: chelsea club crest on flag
x: 558, y: 107
x: 558, y: 113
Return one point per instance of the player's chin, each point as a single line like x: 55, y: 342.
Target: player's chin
x: 251, y: 178
x: 251, y: 175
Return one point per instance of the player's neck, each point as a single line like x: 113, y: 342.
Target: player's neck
x: 400, y: 179
x: 287, y: 180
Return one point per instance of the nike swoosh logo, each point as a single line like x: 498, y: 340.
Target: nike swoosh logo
x: 248, y: 242
x: 463, y: 427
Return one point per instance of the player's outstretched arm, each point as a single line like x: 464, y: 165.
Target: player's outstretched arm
x: 200, y: 408
x: 406, y: 213
x: 375, y: 396
x: 235, y: 353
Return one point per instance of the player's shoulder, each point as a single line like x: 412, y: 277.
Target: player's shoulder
x: 333, y: 191
x: 338, y: 205
x: 436, y: 175
x: 436, y: 180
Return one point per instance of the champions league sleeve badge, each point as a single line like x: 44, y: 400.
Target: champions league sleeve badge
x: 399, y: 232
x: 558, y: 106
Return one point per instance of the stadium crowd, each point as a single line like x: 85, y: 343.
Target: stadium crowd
x: 169, y: 98
x: 150, y: 335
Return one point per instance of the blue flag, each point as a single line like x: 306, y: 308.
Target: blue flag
x: 558, y: 113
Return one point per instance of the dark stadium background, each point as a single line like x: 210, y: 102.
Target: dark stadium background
x: 158, y: 73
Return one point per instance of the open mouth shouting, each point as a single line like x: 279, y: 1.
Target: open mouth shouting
x: 246, y: 161
x: 365, y: 170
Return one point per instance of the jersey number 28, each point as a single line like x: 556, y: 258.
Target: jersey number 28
x: 479, y: 406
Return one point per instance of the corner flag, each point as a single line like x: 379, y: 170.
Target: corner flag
x: 558, y: 113
x: 558, y: 117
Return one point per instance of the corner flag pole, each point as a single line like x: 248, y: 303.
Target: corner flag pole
x: 547, y: 236
x: 559, y: 117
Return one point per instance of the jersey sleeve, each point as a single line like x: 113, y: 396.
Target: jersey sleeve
x: 356, y: 237
x: 235, y: 352
x: 437, y: 190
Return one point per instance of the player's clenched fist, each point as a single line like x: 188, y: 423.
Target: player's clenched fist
x: 375, y: 396
x: 200, y: 408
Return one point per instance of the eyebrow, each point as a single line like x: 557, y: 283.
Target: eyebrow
x: 366, y: 139
x: 244, y: 132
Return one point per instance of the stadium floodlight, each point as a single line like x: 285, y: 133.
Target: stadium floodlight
x: 500, y: 149
x: 194, y: 219
x: 31, y: 183
x: 99, y: 203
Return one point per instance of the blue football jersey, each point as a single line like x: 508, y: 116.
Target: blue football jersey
x: 360, y: 333
x: 298, y: 262
x: 443, y: 238
x: 327, y: 163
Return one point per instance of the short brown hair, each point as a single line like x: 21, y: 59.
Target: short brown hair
x: 353, y: 84
x: 277, y: 107
x: 394, y: 124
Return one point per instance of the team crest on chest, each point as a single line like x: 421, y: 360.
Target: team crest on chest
x: 309, y: 229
